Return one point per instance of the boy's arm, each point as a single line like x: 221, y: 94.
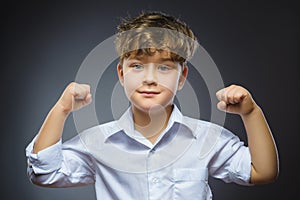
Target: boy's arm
x: 236, y: 99
x: 74, y: 97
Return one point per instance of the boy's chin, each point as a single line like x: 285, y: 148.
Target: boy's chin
x: 156, y: 108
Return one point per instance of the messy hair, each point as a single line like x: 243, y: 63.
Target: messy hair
x: 155, y: 30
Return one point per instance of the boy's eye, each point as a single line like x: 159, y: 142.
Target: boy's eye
x: 164, y: 68
x: 137, y: 67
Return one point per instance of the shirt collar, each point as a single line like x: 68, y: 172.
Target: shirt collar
x: 126, y: 124
x: 177, y: 117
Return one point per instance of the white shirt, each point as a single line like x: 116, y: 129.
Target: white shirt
x: 124, y: 165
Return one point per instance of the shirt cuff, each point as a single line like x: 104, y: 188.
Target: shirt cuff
x: 46, y: 160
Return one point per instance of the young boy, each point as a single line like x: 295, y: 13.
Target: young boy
x: 140, y: 156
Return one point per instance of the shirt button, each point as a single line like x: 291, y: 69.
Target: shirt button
x: 155, y: 180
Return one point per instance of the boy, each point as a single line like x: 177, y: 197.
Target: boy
x: 152, y: 68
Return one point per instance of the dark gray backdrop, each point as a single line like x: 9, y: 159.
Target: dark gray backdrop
x: 43, y: 43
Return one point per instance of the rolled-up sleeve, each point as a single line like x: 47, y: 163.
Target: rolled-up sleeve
x: 60, y: 165
x: 45, y: 161
x: 232, y: 160
x: 240, y: 167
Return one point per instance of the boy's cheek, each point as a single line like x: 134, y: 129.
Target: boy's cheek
x: 171, y: 83
x: 132, y: 79
x: 131, y: 84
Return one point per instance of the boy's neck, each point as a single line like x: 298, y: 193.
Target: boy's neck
x: 152, y: 123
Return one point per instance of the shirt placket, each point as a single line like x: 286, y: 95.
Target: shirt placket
x: 154, y: 177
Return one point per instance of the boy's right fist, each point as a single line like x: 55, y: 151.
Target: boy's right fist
x: 74, y: 97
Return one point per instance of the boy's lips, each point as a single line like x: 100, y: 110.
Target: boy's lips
x: 148, y: 93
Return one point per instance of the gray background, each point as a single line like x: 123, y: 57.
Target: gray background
x: 43, y: 43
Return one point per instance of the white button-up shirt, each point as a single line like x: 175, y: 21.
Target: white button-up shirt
x: 125, y: 165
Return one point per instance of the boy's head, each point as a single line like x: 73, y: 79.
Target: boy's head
x: 153, y: 48
x: 155, y: 30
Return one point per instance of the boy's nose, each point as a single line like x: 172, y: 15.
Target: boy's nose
x: 150, y: 75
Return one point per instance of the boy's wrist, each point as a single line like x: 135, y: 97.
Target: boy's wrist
x: 60, y: 109
x: 255, y: 111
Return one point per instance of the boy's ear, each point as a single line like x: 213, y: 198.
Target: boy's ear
x: 183, y: 76
x: 120, y: 73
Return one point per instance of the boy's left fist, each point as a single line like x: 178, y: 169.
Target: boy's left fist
x: 235, y: 99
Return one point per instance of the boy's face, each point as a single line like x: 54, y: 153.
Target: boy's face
x: 151, y: 81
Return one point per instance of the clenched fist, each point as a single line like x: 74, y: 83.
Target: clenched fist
x: 235, y: 99
x: 74, y: 97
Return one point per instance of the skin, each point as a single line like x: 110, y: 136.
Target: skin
x: 151, y: 88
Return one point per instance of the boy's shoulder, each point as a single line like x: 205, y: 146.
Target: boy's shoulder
x: 206, y: 129
x: 196, y: 124
x: 99, y: 132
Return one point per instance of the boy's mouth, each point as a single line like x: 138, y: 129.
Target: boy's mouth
x: 148, y: 93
